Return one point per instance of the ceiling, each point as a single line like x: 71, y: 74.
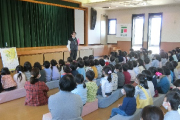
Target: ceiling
x: 123, y: 4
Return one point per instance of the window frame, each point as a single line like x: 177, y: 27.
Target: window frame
x: 149, y: 16
x: 115, y: 28
x: 133, y: 16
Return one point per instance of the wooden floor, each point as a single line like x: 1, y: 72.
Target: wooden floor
x: 16, y: 110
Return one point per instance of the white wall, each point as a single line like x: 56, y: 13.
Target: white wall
x: 94, y: 36
x: 170, y: 25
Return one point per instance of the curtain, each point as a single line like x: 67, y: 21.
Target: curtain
x: 25, y: 24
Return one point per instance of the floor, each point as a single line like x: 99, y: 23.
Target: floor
x: 15, y: 110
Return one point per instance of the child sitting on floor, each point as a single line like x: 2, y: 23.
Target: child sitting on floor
x: 69, y: 61
x: 114, y: 77
x: 131, y: 71
x: 19, y: 77
x: 141, y: 65
x: 98, y: 67
x: 55, y: 71
x: 128, y: 107
x: 127, y: 76
x: 27, y: 70
x: 47, y: 70
x: 106, y: 59
x: 112, y: 60
x: 6, y: 79
x: 36, y: 91
x: 91, y: 86
x: 171, y: 103
x: 142, y: 92
x: 176, y: 74
x: 102, y: 63
x: 147, y: 63
x: 121, y: 79
x: 42, y: 72
x: 136, y: 68
x: 81, y: 89
x: 61, y: 64
x: 91, y: 57
x: 73, y: 67
x: 87, y: 67
x: 67, y: 70
x: 94, y: 68
x: 81, y: 69
x: 177, y: 84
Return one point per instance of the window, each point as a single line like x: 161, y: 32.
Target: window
x: 137, y: 31
x: 112, y: 26
x: 154, y: 32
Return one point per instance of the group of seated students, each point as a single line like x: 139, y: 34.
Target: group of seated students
x: 140, y: 75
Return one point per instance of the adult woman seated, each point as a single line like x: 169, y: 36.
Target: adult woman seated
x: 65, y: 105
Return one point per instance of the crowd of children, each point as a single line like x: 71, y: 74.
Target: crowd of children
x: 140, y: 74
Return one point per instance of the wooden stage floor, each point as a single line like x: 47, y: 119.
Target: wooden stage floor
x: 16, y: 110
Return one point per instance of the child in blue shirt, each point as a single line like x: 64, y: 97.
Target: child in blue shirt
x: 47, y: 70
x: 81, y: 69
x: 55, y: 71
x: 98, y: 67
x: 128, y: 107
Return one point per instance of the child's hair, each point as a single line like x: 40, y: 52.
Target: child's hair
x: 125, y: 67
x: 53, y: 62
x: 38, y: 65
x: 27, y: 67
x: 112, y: 54
x: 173, y: 98
x: 131, y: 50
x: 141, y: 63
x: 163, y: 54
x: 73, y: 66
x: 79, y: 58
x: 34, y: 74
x: 112, y: 67
x: 91, y: 62
x: 177, y: 83
x: 80, y: 80
x: 96, y: 62
x: 130, y: 90
x: 119, y: 67
x: 130, y: 65
x: 66, y: 69
x: 106, y: 57
x: 166, y: 70
x: 61, y: 64
x: 150, y: 51
x: 107, y: 70
x: 147, y: 60
x: 101, y: 62
x: 175, y: 64
x: 148, y: 74
x: 112, y: 58
x: 5, y: 71
x: 46, y: 64
x: 90, y: 75
x: 170, y: 66
x: 170, y: 52
x: 91, y: 57
x: 134, y: 63
x: 69, y: 59
x: 19, y: 70
x: 142, y: 80
x: 86, y: 63
x: 152, y: 113
x: 80, y: 64
x: 158, y: 57
x: 153, y: 70
x: 85, y: 58
x: 174, y: 51
x: 160, y: 70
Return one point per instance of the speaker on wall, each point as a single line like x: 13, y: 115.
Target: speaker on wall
x: 93, y: 18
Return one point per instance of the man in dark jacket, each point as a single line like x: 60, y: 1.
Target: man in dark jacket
x: 73, y: 46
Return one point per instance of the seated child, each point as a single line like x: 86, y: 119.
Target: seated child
x: 163, y: 85
x: 128, y: 107
x: 19, y: 77
x: 102, y: 63
x: 150, y: 56
x: 94, y: 68
x: 87, y: 66
x: 55, y: 71
x: 114, y: 77
x: 141, y: 65
x: 121, y: 79
x: 6, y: 79
x: 27, y: 70
x: 152, y: 113
x: 171, y: 103
x: 127, y: 76
x: 79, y: 59
x: 106, y: 83
x: 61, y: 64
x: 163, y: 58
x: 147, y: 63
x: 81, y: 89
x: 91, y: 86
x: 85, y: 58
x: 156, y: 61
x: 69, y: 61
x: 177, y: 84
x: 106, y: 59
x: 73, y: 67
x: 149, y: 81
x: 120, y: 57
x: 176, y: 74
x: 36, y: 91
x: 131, y: 71
x: 81, y: 69
x: 48, y: 71
x: 42, y: 72
x: 167, y: 73
x: 174, y: 55
x: 67, y: 70
x: 112, y: 60
x: 91, y: 57
x: 170, y: 66
x: 142, y: 93
x: 136, y: 68
x: 98, y: 67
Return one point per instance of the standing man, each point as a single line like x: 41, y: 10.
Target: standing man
x: 73, y: 46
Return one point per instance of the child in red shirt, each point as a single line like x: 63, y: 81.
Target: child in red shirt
x: 127, y: 76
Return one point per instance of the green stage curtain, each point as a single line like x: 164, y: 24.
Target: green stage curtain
x: 25, y: 24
